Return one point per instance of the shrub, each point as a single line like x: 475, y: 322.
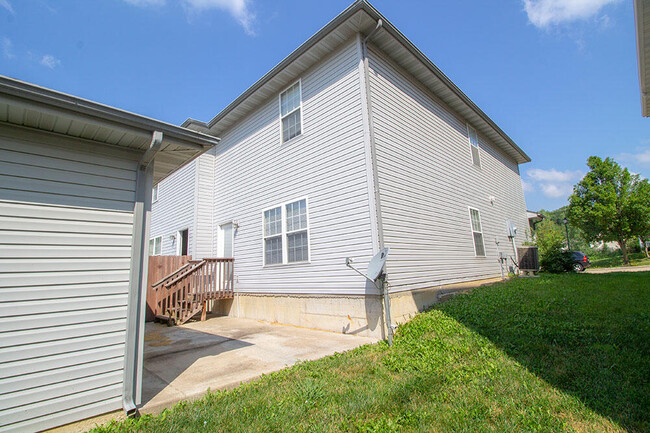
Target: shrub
x: 550, y: 241
x: 557, y: 261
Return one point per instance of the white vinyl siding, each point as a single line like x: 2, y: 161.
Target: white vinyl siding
x: 326, y: 164
x: 291, y: 112
x: 203, y: 235
x: 66, y: 225
x: 425, y: 185
x: 473, y: 146
x: 176, y: 209
x: 477, y: 232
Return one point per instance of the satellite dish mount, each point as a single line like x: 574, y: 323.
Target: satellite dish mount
x: 375, y: 274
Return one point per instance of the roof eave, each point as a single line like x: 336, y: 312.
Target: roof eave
x: 362, y: 5
x: 388, y: 26
x: 20, y: 90
x: 338, y: 20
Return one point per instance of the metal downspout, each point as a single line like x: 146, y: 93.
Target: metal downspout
x: 132, y: 390
x: 373, y: 156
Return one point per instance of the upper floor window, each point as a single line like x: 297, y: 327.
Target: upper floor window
x: 473, y: 142
x: 477, y: 232
x: 286, y: 233
x: 155, y: 246
x: 291, y: 112
x: 154, y: 194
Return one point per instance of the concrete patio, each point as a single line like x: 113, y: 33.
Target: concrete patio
x: 182, y: 362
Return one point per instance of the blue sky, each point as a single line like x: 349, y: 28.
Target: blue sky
x: 559, y: 76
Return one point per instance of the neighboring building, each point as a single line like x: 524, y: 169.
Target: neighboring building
x: 75, y: 188
x: 354, y: 142
x: 642, y: 18
x: 533, y: 219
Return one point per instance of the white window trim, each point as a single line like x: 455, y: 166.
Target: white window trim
x: 302, y: 123
x: 154, y: 198
x: 478, y: 148
x: 284, y: 233
x: 178, y: 241
x: 153, y: 252
x: 471, y: 227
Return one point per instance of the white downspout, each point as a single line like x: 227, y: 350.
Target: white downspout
x: 367, y: 106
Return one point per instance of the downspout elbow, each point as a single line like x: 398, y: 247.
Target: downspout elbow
x: 379, y: 25
x: 154, y: 147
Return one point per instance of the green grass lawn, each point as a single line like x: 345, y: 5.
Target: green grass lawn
x: 610, y: 260
x: 553, y: 353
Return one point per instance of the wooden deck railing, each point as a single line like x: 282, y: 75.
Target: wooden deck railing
x: 185, y: 292
x: 159, y: 268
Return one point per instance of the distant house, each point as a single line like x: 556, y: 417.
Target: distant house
x: 355, y: 142
x: 533, y: 219
x: 642, y: 18
x: 75, y: 198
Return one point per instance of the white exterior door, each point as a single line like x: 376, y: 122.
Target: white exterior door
x: 226, y: 232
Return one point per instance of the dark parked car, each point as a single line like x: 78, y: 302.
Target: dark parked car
x: 580, y: 261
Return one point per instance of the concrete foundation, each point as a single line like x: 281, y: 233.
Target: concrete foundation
x: 348, y: 314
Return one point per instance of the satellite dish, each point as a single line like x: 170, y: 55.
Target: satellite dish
x: 376, y: 265
x: 511, y: 228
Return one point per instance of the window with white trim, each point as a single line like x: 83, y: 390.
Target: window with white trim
x: 291, y: 112
x: 273, y: 236
x: 473, y: 145
x: 286, y: 233
x: 155, y: 246
x: 154, y: 194
x: 477, y: 232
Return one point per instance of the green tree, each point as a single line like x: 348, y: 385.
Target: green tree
x: 577, y: 238
x: 610, y: 203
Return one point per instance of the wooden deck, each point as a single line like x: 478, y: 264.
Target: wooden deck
x: 185, y: 292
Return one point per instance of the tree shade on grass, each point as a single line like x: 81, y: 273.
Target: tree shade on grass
x: 554, y: 353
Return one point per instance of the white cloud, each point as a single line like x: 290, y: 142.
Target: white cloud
x: 50, y: 61
x: 5, y: 4
x: 558, y: 190
x: 553, y: 183
x: 545, y: 13
x: 239, y: 9
x: 527, y: 186
x: 554, y: 175
x: 7, y: 48
x: 641, y: 157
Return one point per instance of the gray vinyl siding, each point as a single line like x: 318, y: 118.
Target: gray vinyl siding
x: 427, y: 182
x: 175, y: 208
x: 66, y: 224
x: 326, y: 164
x: 204, y: 232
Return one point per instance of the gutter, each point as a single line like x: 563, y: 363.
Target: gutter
x: 134, y: 349
x: 351, y: 10
x: 392, y: 30
x: 30, y: 96
x: 441, y: 76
